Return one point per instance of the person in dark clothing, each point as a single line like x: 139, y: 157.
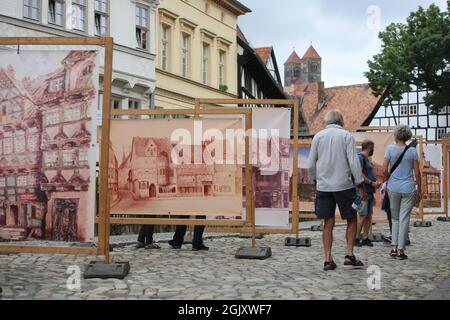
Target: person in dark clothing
x: 370, y: 186
x: 197, y: 240
x: 145, y: 238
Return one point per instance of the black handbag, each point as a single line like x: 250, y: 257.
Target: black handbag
x: 386, y: 204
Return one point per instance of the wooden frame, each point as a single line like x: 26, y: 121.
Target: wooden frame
x: 103, y: 226
x: 263, y: 102
x: 190, y: 221
x: 445, y: 154
x: 445, y: 149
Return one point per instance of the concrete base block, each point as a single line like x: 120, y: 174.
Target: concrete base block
x: 103, y: 270
x: 297, y: 242
x: 317, y: 228
x: 260, y: 253
x: 422, y: 224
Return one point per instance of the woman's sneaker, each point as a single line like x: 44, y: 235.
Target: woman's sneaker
x: 393, y: 253
x: 401, y: 255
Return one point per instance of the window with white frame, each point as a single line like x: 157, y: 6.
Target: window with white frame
x: 8, y: 146
x: 56, y: 85
x: 134, y: 105
x: 11, y: 182
x: 185, y: 47
x: 83, y: 157
x: 222, y: 62
x: 440, y: 133
x: 31, y: 9
x: 52, y: 117
x: 68, y: 157
x: 72, y: 114
x: 2, y: 182
x: 56, y: 12
x: 142, y: 24
x: 101, y: 17
x: 403, y: 110
x: 51, y: 158
x: 31, y: 180
x: 165, y: 38
x: 1, y: 147
x: 22, y: 181
x: 205, y: 63
x: 19, y: 142
x: 79, y: 14
x: 413, y: 109
x: 444, y: 110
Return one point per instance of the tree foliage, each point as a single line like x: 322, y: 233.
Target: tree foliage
x: 415, y: 53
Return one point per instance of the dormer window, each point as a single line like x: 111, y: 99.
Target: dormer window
x: 56, y: 85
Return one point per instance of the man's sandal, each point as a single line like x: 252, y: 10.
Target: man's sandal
x: 328, y: 266
x: 353, y: 262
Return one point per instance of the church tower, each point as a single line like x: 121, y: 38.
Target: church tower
x: 308, y: 69
x: 292, y: 69
x: 311, y: 66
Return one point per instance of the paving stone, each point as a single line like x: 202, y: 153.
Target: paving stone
x: 289, y: 274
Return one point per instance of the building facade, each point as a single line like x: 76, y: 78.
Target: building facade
x: 20, y: 158
x: 197, y: 51
x: 413, y: 111
x: 149, y: 172
x: 258, y: 74
x: 132, y: 24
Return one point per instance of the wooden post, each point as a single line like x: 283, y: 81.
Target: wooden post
x: 295, y: 222
x: 421, y: 165
x: 445, y: 151
x: 104, y: 229
x: 249, y: 205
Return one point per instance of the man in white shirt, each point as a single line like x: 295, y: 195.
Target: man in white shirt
x: 334, y: 164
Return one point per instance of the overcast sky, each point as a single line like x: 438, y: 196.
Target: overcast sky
x: 344, y: 32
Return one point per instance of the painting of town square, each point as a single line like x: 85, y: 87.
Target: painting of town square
x: 152, y: 171
x: 270, y: 166
x: 46, y: 157
x: 432, y: 177
x: 305, y: 188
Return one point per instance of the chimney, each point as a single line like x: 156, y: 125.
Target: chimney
x: 321, y: 91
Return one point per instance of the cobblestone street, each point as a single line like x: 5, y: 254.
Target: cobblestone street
x: 291, y: 273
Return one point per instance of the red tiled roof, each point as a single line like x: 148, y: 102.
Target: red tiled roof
x: 293, y: 58
x: 311, y: 53
x: 356, y: 102
x: 264, y: 53
x: 300, y: 89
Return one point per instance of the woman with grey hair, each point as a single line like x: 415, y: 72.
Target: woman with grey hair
x: 401, y: 170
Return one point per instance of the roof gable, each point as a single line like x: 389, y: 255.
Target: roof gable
x: 311, y: 53
x: 293, y: 58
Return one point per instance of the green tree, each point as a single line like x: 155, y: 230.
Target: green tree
x: 415, y: 53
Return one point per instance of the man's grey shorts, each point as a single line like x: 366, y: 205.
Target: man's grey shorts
x: 367, y: 207
x: 326, y: 204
